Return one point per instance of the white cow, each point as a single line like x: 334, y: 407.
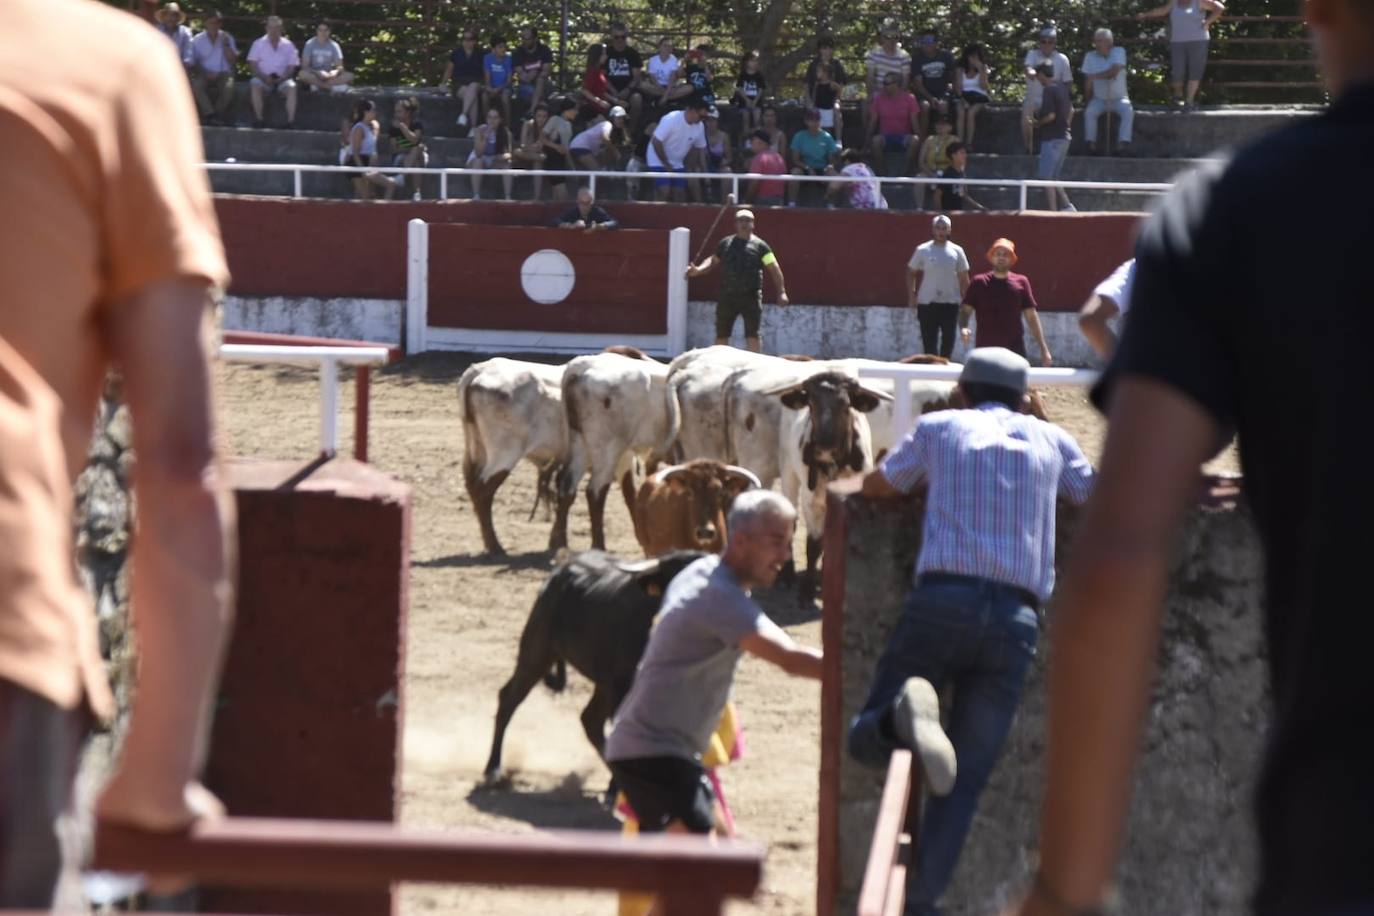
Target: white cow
x: 511, y: 410
x: 617, y: 418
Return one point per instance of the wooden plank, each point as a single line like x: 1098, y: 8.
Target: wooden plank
x: 353, y: 855
x: 896, y: 891
x: 887, y: 832
x: 1237, y: 62
x: 1254, y: 84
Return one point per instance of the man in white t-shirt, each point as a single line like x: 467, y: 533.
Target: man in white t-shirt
x: 1105, y: 87
x: 322, y: 62
x: 679, y: 134
x: 1044, y: 52
x: 936, y: 280
x: 1112, y: 297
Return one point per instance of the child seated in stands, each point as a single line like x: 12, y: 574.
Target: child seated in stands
x: 749, y: 90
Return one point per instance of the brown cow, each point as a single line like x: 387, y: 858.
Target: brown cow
x: 683, y: 507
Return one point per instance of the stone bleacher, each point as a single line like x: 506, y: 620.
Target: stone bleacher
x: 1166, y: 143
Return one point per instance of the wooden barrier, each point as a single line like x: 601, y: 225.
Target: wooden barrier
x: 692, y: 877
x: 883, y: 892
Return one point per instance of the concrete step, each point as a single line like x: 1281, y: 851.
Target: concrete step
x: 323, y: 111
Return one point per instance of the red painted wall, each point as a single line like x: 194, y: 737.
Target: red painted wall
x: 829, y: 257
x: 620, y: 284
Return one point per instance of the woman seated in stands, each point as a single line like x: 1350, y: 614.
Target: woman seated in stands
x: 360, y: 150
x: 529, y: 154
x: 595, y: 95
x: 408, y: 142
x: 719, y: 155
x: 491, y: 150
x: 750, y: 88
x: 973, y: 91
x: 464, y: 71
x: 934, y: 156
x: 776, y: 138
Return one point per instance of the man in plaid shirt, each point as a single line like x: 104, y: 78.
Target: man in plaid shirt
x: 993, y: 475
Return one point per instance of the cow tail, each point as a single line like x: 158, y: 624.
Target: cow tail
x: 727, y: 402
x: 557, y: 678
x: 673, y: 409
x: 474, y: 452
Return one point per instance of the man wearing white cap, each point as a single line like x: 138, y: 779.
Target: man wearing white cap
x: 936, y: 280
x: 1045, y: 52
x: 743, y: 257
x: 992, y: 476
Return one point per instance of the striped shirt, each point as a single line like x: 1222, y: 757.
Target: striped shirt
x: 994, y: 477
x: 880, y: 63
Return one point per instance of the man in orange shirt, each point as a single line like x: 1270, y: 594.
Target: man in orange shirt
x: 110, y: 256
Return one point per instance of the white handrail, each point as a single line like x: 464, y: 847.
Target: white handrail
x: 329, y: 359
x: 902, y: 376
x: 297, y: 169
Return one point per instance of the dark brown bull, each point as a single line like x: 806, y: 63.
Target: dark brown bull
x: 683, y: 507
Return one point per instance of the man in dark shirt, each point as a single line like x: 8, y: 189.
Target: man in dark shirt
x: 1053, y: 120
x: 533, y: 62
x: 743, y: 258
x: 698, y: 72
x: 1000, y: 298
x: 936, y: 67
x: 1205, y: 352
x: 624, y: 68
x: 586, y: 215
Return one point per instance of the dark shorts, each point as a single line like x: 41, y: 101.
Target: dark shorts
x: 555, y: 160
x: 727, y: 310
x: 669, y: 182
x: 666, y: 789
x: 895, y: 143
x: 974, y: 98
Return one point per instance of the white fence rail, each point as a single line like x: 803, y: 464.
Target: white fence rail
x: 902, y: 376
x: 298, y: 170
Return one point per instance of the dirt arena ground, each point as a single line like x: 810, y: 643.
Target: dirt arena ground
x: 466, y: 614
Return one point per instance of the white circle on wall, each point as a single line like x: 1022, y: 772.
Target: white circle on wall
x: 547, y: 276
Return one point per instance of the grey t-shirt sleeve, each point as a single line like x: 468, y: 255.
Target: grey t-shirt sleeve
x: 729, y: 615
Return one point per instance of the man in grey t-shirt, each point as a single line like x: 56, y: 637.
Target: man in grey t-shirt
x: 684, y: 679
x: 322, y: 63
x: 936, y: 280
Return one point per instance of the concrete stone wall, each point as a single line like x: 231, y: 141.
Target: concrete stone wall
x: 376, y: 320
x: 1191, y: 848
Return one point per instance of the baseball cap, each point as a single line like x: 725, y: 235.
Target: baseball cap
x: 1049, y: 31
x: 699, y: 104
x: 618, y: 112
x: 996, y: 366
x: 761, y: 134
x: 713, y: 112
x: 942, y: 220
x: 744, y: 214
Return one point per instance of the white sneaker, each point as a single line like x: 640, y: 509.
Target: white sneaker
x: 916, y: 719
x: 415, y: 197
x: 463, y: 120
x: 341, y: 90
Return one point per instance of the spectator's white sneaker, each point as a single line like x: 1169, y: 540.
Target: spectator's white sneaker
x: 916, y: 719
x: 341, y: 90
x: 1069, y: 208
x: 415, y: 197
x: 463, y: 120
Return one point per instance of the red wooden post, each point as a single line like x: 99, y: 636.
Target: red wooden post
x: 360, y: 414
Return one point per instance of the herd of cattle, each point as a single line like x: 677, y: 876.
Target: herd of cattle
x: 703, y: 428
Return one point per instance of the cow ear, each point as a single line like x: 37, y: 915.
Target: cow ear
x: 795, y: 400
x: 863, y: 400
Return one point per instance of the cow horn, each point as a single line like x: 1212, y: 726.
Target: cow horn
x: 639, y: 566
x: 880, y: 395
x: 735, y: 470
x: 785, y: 389
x: 669, y: 472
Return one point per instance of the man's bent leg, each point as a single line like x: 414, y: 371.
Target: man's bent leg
x: 202, y: 97
x: 980, y: 716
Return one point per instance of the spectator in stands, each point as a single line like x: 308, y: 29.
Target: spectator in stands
x: 765, y: 192
x: 933, y: 72
x: 698, y: 75
x: 951, y: 197
x: 862, y: 195
x: 360, y: 151
x: 557, y: 136
x: 719, y: 155
x: 679, y: 137
x: 587, y: 215
x: 1043, y: 53
x: 596, y: 87
x: 936, y: 281
x: 592, y: 149
x: 273, y: 60
x: 171, y: 21
x: 888, y: 58
x: 666, y: 82
x: 825, y: 80
x: 894, y: 123
x: 750, y: 87
x: 639, y: 161
x: 973, y: 92
x: 529, y: 153
x: 407, y: 134
x: 1001, y: 300
x: 1190, y: 23
x: 776, y: 137
x: 464, y: 69
x: 213, y: 56
x: 496, y: 78
x: 491, y: 149
x: 533, y: 63
x: 934, y: 155
x: 1111, y: 297
x: 1052, y: 120
x: 814, y: 152
x: 1105, y: 88
x: 322, y: 63
x: 624, y: 72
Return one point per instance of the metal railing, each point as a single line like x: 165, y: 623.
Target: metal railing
x: 298, y: 170
x: 901, y: 377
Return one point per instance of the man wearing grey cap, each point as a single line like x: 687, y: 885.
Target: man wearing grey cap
x: 936, y: 280
x: 992, y: 476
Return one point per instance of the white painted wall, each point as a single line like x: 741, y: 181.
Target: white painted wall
x: 376, y: 320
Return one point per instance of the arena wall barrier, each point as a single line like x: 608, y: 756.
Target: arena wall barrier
x: 1190, y: 848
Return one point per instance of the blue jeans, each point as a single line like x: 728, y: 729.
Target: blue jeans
x: 1052, y: 156
x: 979, y: 639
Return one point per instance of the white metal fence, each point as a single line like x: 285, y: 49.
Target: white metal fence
x: 1023, y: 185
x: 902, y: 376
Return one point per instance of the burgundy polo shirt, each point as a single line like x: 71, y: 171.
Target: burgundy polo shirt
x: 998, y: 304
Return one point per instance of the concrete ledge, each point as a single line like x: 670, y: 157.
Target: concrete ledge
x: 347, y: 319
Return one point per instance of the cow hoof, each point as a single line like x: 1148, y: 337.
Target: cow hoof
x: 493, y: 777
x: 496, y: 550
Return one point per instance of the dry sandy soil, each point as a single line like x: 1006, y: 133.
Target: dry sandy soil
x: 466, y: 614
